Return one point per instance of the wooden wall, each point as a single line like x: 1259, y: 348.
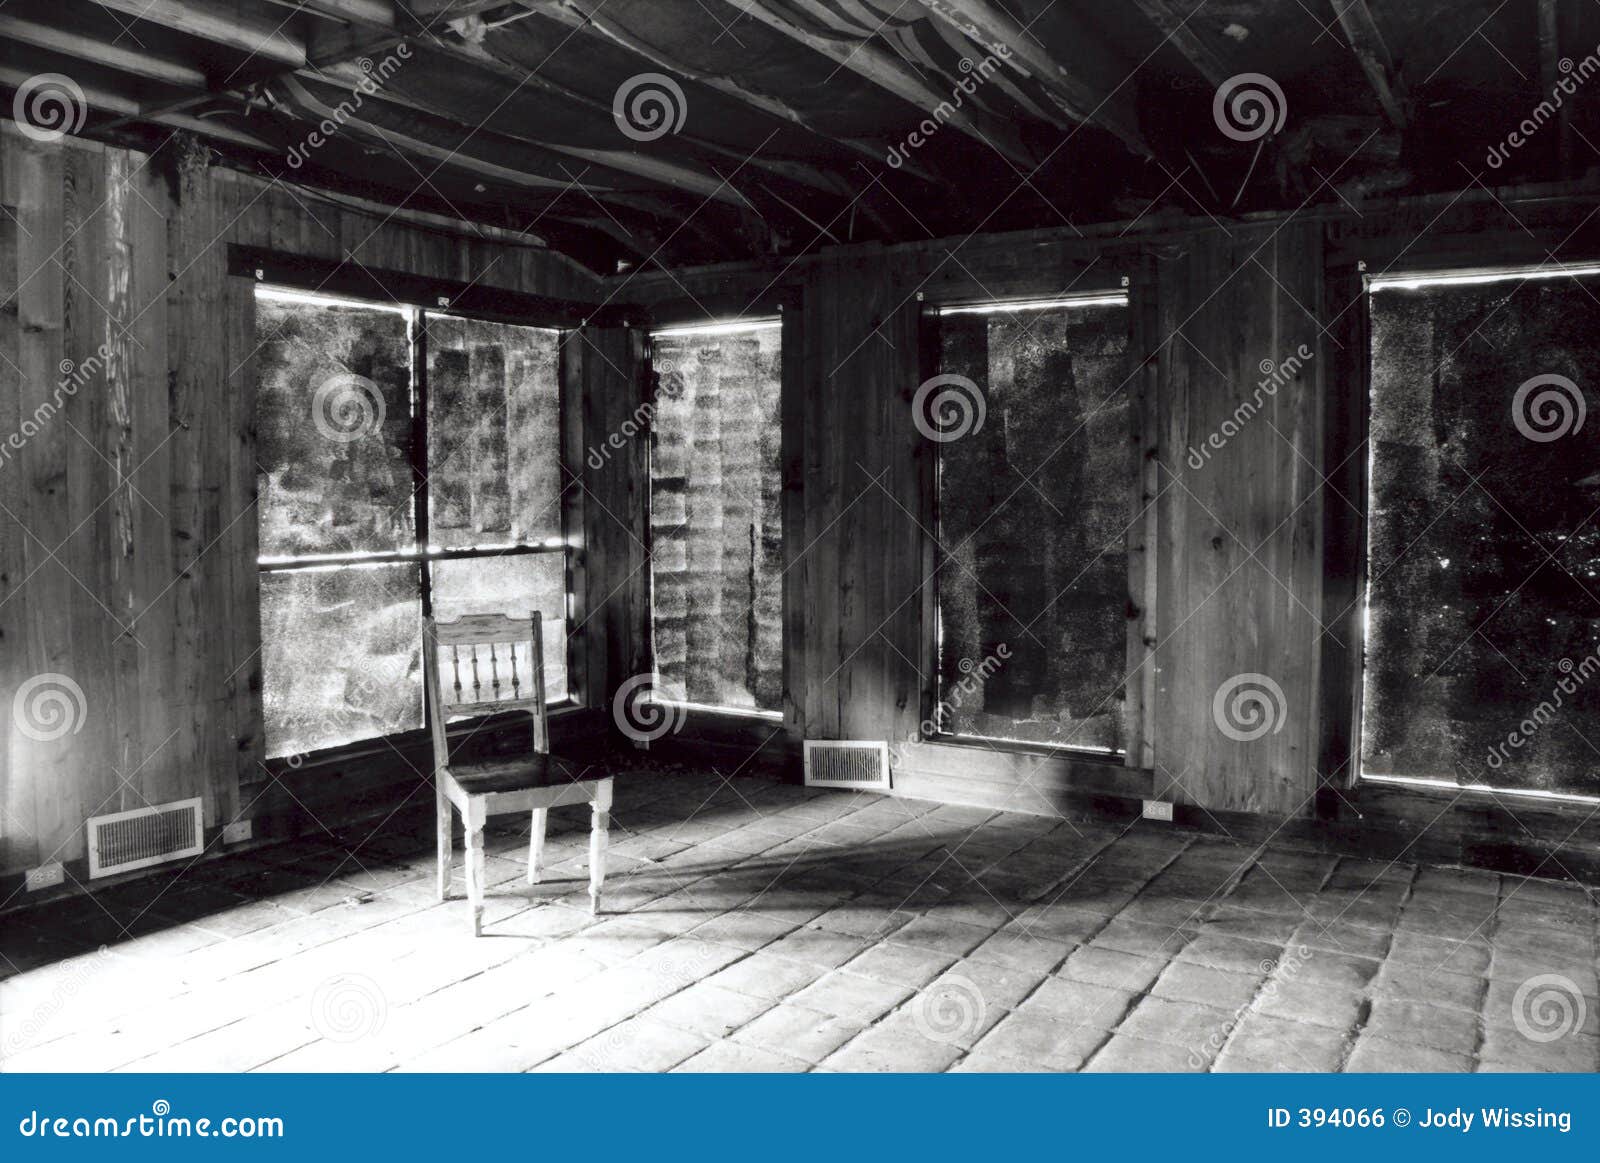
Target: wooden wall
x: 1239, y: 578
x: 127, y: 534
x: 127, y: 526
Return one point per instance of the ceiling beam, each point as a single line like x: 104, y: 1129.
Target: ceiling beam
x: 589, y: 16
x: 655, y: 169
x: 889, y: 73
x: 125, y: 107
x: 135, y: 62
x: 1373, y: 53
x: 267, y: 39
x: 456, y: 158
x: 1177, y: 28
x: 991, y: 28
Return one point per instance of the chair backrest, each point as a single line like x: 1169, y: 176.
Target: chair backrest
x: 483, y: 664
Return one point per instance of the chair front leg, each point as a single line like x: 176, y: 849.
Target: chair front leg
x: 599, y: 837
x: 536, y: 845
x: 477, y: 874
x: 444, y: 823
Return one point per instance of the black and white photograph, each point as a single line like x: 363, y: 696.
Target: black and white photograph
x: 871, y: 537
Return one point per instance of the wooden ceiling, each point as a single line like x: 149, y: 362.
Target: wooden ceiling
x: 545, y: 116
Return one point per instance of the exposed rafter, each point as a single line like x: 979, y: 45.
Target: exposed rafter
x: 891, y: 74
x: 991, y: 27
x: 590, y: 16
x: 1373, y: 53
x: 654, y: 169
x: 103, y: 102
x: 266, y: 39
x: 123, y: 58
x: 1178, y: 28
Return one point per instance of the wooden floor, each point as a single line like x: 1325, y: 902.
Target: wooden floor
x: 758, y: 926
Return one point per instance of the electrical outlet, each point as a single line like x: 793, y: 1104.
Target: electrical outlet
x: 45, y: 876
x: 237, y: 832
x: 1158, y: 810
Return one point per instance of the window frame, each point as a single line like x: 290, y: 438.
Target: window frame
x: 421, y: 553
x: 1348, y: 281
x: 781, y: 318
x: 1138, y: 299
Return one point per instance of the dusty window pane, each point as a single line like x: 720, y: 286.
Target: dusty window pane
x: 716, y: 560
x: 333, y: 428
x: 1484, y: 555
x: 494, y: 433
x: 340, y: 655
x: 1033, y: 509
x: 514, y: 586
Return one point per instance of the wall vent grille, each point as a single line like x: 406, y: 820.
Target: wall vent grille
x: 858, y: 764
x: 123, y: 841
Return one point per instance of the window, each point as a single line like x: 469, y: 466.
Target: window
x: 716, y: 562
x: 1482, y: 662
x: 1034, y: 499
x: 363, y: 529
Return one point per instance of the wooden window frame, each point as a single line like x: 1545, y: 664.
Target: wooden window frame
x: 296, y: 275
x: 1140, y: 539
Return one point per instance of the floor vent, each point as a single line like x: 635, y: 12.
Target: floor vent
x: 124, y: 841
x: 847, y: 763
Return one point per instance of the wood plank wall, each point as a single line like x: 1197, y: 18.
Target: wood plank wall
x: 127, y: 526
x: 1239, y: 543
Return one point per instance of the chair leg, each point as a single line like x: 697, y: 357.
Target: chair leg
x: 476, y: 872
x: 536, y: 845
x: 445, y: 823
x: 599, y: 836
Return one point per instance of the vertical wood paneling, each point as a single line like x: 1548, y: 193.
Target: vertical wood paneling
x: 1240, y: 560
x: 128, y: 528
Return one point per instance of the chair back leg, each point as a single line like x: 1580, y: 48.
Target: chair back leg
x: 444, y: 824
x: 477, y: 873
x: 536, y: 845
x: 599, y: 837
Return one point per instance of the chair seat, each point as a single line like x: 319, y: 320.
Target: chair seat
x: 486, y: 777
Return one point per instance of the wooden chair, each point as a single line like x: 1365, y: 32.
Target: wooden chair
x: 485, y: 664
